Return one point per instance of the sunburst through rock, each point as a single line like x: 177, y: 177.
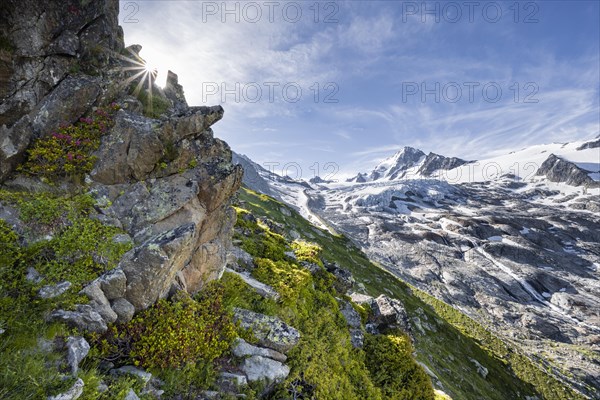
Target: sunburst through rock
x: 144, y: 72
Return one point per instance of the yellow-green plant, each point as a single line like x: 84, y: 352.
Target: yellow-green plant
x: 392, y: 368
x: 68, y: 151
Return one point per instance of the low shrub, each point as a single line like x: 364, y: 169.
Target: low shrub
x: 68, y: 151
x: 393, y: 369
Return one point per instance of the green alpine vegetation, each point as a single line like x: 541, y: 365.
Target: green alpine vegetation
x: 446, y: 340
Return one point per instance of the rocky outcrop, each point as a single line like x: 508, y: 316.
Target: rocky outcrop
x: 558, y: 170
x: 435, y: 162
x: 166, y: 181
x: 46, y: 46
x: 594, y: 144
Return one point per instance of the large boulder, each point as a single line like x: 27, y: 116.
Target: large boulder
x: 258, y: 368
x: 151, y: 268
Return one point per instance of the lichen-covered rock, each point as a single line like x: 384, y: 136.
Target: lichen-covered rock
x: 131, y: 395
x: 270, y: 331
x: 354, y: 323
x: 389, y: 313
x: 131, y: 370
x: 50, y: 291
x: 77, y: 349
x: 124, y: 310
x: 481, y: 370
x: 259, y: 368
x: 151, y: 267
x: 99, y: 302
x: 241, y: 348
x: 344, y: 281
x: 113, y: 284
x: 84, y: 317
x: 259, y: 287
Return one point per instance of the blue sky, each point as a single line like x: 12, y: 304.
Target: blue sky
x: 457, y: 79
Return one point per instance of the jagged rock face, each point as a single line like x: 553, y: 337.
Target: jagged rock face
x: 435, y: 162
x: 396, y: 167
x: 594, y: 144
x: 167, y: 182
x: 44, y: 44
x: 252, y: 178
x: 558, y: 170
x: 179, y: 216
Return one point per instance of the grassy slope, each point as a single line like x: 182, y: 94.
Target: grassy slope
x: 455, y: 339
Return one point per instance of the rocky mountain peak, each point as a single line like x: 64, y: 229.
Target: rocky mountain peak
x: 557, y: 169
x: 435, y: 162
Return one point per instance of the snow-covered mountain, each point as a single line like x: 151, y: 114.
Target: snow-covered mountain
x: 513, y: 240
x: 409, y: 163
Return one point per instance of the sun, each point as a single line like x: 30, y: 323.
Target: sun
x: 145, y: 73
x: 151, y: 69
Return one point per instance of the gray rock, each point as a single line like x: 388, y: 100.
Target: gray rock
x: 271, y: 332
x: 131, y: 395
x: 351, y: 316
x: 99, y: 302
x: 113, y: 283
x: 360, y: 298
x: 344, y: 281
x: 259, y: 368
x: 67, y: 43
x: 240, y: 259
x: 389, y: 313
x: 73, y: 393
x: 84, y: 317
x: 51, y: 291
x: 124, y: 310
x: 435, y: 162
x: 481, y: 370
x: 174, y: 92
x: 357, y: 338
x: 251, y: 177
x: 77, y: 349
x: 241, y: 348
x: 239, y: 379
x: 69, y: 101
x: 354, y: 322
x: 33, y: 275
x: 151, y: 268
x: 131, y: 370
x: 558, y: 170
x: 259, y: 287
x: 313, y: 268
x: 229, y: 383
x: 594, y: 144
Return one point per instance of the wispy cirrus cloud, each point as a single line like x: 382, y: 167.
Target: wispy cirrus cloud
x: 369, y: 54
